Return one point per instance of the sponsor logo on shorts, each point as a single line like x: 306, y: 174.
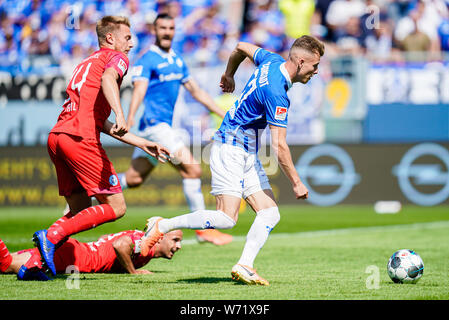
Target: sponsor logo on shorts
x: 281, y: 113
x: 113, y: 180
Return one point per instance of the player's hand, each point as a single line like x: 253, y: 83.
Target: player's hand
x: 159, y: 152
x: 143, y: 271
x: 301, y: 191
x: 120, y: 128
x: 227, y: 83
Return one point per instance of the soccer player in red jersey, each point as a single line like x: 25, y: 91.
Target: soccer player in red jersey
x: 82, y: 166
x: 113, y: 253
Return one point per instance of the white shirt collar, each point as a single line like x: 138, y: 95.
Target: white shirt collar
x: 286, y: 75
x: 162, y: 53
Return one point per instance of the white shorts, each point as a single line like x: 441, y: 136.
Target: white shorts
x: 163, y: 134
x: 236, y: 172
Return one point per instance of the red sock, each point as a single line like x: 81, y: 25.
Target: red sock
x: 5, y: 257
x: 35, y: 260
x: 84, y: 220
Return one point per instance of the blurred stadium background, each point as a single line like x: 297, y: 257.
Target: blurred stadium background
x: 372, y: 126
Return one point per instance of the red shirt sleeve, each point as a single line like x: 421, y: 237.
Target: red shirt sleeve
x: 119, y: 62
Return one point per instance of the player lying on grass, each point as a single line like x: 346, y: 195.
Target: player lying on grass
x: 113, y: 253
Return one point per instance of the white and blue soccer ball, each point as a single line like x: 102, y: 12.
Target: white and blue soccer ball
x: 405, y: 266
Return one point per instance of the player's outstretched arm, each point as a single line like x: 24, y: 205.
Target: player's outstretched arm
x: 123, y: 248
x: 111, y: 91
x: 139, y: 91
x: 282, y: 151
x: 152, y: 148
x: 242, y: 50
x: 203, y: 97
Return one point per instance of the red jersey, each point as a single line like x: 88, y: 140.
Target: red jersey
x: 99, y: 256
x: 86, y: 109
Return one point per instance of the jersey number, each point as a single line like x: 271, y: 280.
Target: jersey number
x: 77, y: 86
x: 250, y: 88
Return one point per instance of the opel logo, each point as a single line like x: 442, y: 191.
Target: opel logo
x: 341, y: 174
x: 428, y: 174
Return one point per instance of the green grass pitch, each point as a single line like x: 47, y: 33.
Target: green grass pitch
x: 314, y: 253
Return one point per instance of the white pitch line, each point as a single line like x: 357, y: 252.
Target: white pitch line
x: 331, y: 232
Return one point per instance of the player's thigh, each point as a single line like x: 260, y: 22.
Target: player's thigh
x: 116, y: 201
x: 262, y: 199
x: 139, y: 170
x: 186, y: 164
x: 90, y: 165
x: 78, y: 201
x: 227, y: 169
x: 67, y: 180
x: 228, y: 204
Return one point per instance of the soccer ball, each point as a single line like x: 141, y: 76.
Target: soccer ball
x: 405, y: 266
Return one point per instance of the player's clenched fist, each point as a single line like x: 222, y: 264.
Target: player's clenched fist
x: 227, y: 83
x: 120, y: 128
x: 301, y: 191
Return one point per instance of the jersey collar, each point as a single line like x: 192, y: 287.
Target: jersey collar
x: 286, y: 75
x: 162, y: 53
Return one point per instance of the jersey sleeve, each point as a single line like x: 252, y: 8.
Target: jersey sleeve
x: 276, y: 109
x: 261, y: 55
x: 141, y: 70
x: 119, y: 62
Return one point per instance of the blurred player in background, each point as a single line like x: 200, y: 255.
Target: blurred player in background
x: 157, y: 77
x: 113, y: 253
x: 82, y: 166
x: 235, y: 167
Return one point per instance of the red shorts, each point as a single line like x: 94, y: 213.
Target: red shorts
x: 81, y: 165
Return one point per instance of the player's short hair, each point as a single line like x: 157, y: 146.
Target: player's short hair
x: 310, y: 44
x: 163, y: 16
x: 109, y: 24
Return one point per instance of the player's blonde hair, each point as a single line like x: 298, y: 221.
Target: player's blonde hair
x: 308, y: 43
x: 109, y: 24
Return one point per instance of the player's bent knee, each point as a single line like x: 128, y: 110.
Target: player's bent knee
x: 270, y: 215
x: 224, y: 221
x: 119, y: 210
x: 134, y: 182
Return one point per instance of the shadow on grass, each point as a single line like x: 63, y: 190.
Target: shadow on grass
x: 206, y: 280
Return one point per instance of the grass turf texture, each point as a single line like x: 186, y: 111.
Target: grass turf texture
x: 313, y: 253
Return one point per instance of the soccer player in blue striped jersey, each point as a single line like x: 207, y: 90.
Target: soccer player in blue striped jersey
x: 235, y: 167
x: 157, y: 77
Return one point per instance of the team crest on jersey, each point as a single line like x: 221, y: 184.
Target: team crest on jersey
x: 179, y: 62
x: 122, y: 66
x: 281, y: 113
x: 113, y: 180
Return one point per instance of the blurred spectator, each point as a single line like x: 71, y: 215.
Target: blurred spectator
x: 340, y: 11
x: 350, y: 39
x: 443, y: 33
x: 9, y: 42
x: 379, y: 44
x: 416, y: 40
x: 265, y: 25
x: 423, y: 18
x: 298, y: 15
x: 35, y: 40
x: 208, y: 36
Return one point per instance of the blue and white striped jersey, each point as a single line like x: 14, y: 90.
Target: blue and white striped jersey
x: 263, y: 101
x: 165, y: 72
